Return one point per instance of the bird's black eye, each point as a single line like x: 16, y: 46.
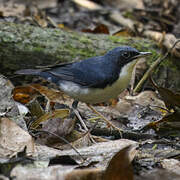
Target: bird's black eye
x: 126, y: 54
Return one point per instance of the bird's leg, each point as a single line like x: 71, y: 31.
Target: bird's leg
x: 74, y: 106
x: 106, y: 120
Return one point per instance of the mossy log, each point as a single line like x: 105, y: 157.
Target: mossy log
x: 25, y: 46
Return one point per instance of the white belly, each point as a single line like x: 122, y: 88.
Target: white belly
x: 92, y: 95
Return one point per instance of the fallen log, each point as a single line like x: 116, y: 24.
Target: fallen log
x: 25, y: 46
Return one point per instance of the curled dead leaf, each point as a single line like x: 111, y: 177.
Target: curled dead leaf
x: 24, y: 94
x: 58, y: 113
x: 100, y: 29
x: 120, y: 167
x: 51, y: 94
x: 170, y: 98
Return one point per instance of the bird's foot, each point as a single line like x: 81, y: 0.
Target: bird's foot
x: 109, y: 124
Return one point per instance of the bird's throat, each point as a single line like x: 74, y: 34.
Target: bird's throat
x: 126, y: 71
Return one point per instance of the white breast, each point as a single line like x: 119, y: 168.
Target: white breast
x: 91, y: 95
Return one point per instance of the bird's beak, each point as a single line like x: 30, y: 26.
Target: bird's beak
x: 142, y: 54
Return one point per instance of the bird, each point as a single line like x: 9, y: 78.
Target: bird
x: 93, y: 80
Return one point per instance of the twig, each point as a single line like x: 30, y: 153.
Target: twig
x: 153, y: 66
x: 62, y: 139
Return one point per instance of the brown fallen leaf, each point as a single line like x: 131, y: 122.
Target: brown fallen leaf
x: 51, y: 94
x: 24, y: 94
x: 168, y: 124
x: 124, y: 32
x: 170, y: 98
x: 86, y: 174
x: 40, y: 21
x: 58, y: 113
x: 78, y: 140
x: 120, y: 167
x: 100, y: 29
x: 159, y: 174
x: 53, y: 129
x: 98, y: 154
x: 40, y: 18
x: 13, y: 139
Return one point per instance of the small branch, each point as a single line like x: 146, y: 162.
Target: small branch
x: 62, y: 139
x: 153, y: 66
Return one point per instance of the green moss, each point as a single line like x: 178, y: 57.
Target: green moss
x: 86, y: 54
x: 38, y: 49
x: 8, y: 37
x: 116, y: 39
x: 85, y: 40
x: 82, y: 53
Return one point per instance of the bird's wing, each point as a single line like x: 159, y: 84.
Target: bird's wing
x: 89, y: 73
x: 44, y: 68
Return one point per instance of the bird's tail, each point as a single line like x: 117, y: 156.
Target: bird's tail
x: 39, y: 72
x: 29, y: 72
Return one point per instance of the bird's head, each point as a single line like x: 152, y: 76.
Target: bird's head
x: 125, y: 55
